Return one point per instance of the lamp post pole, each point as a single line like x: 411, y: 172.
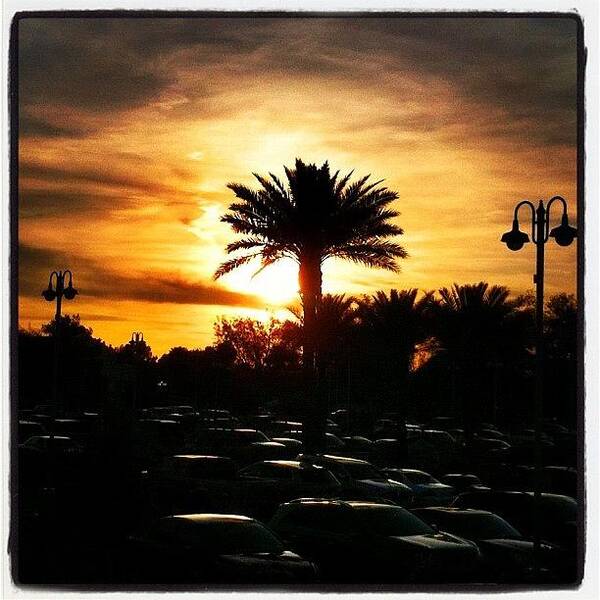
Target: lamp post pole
x: 137, y: 338
x: 539, y: 378
x: 55, y: 291
x: 564, y: 234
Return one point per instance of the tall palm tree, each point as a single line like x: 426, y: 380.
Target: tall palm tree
x: 473, y: 323
x: 395, y: 324
x: 314, y: 217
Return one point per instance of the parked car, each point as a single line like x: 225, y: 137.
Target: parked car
x: 187, y: 482
x: 61, y: 444
x: 29, y: 429
x: 365, y: 541
x: 291, y: 443
x: 261, y: 487
x: 557, y: 514
x: 212, y: 548
x: 227, y: 442
x: 507, y: 557
x: 556, y: 479
x: 463, y: 482
x: 357, y: 446
x: 360, y: 479
x: 271, y: 450
x: 427, y: 490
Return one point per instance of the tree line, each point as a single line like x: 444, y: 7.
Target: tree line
x: 466, y: 350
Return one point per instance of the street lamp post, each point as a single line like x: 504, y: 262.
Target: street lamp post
x: 515, y: 239
x: 137, y: 338
x: 56, y: 291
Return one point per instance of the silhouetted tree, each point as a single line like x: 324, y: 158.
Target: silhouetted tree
x: 561, y: 357
x: 83, y: 358
x: 314, y: 217
x: 471, y: 325
x: 257, y: 344
x: 395, y: 324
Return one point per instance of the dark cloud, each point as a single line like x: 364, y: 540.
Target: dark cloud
x: 36, y: 203
x: 523, y: 66
x: 102, y: 175
x: 95, y: 280
x: 31, y: 126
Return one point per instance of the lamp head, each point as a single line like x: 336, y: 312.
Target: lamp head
x: 514, y: 238
x: 70, y: 292
x: 49, y: 294
x: 564, y: 234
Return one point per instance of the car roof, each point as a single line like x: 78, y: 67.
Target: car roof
x: 211, y: 518
x: 293, y: 464
x: 338, y: 502
x: 344, y: 459
x: 410, y: 471
x: 200, y: 457
x: 450, y: 510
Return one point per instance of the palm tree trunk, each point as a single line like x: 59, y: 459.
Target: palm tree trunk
x: 310, y: 280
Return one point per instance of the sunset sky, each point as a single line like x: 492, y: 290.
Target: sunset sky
x: 130, y: 130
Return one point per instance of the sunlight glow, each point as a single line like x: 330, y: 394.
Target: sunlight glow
x: 277, y: 284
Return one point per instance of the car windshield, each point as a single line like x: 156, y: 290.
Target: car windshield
x: 316, y: 475
x: 234, y: 538
x: 475, y: 526
x: 419, y: 477
x: 210, y: 469
x: 250, y: 436
x: 392, y: 521
x: 362, y: 471
x: 559, y: 508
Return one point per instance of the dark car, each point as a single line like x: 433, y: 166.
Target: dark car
x: 29, y: 429
x: 357, y: 446
x: 60, y: 444
x: 261, y: 487
x: 212, y: 548
x: 557, y: 514
x: 361, y: 541
x: 50, y: 459
x: 507, y: 555
x: 187, y: 482
x: 360, y: 479
x: 271, y: 450
x: 427, y: 490
x: 556, y: 479
x: 291, y: 443
x: 227, y: 442
x: 463, y: 482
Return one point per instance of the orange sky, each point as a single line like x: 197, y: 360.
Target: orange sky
x: 131, y: 129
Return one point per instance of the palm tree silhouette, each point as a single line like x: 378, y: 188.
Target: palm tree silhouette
x: 398, y: 322
x: 314, y: 217
x: 472, y: 323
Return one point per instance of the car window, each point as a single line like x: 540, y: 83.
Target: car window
x: 420, y: 478
x: 391, y: 521
x: 236, y: 537
x: 319, y: 517
x: 474, y: 526
x: 315, y: 476
x: 362, y: 471
x: 269, y: 471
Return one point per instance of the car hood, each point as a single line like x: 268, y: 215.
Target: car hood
x: 510, y: 545
x: 436, y: 541
x: 384, y: 485
x: 284, y: 567
x: 434, y: 489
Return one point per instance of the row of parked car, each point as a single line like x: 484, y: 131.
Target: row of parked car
x: 216, y: 501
